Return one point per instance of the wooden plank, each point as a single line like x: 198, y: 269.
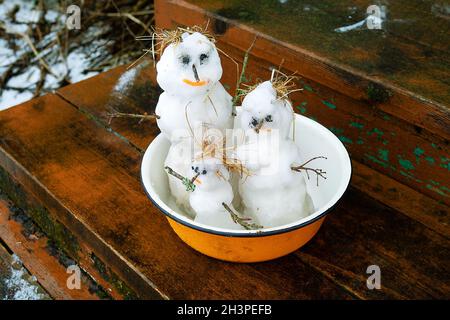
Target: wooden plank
x: 64, y: 154
x: 136, y: 94
x: 411, y: 50
x: 21, y: 286
x: 362, y: 233
x: 375, y: 132
x: 33, y: 252
x: 410, y: 202
x: 66, y: 145
x: 381, y: 187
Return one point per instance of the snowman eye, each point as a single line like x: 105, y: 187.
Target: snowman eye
x: 185, y: 59
x: 203, y: 57
x: 254, y: 122
x: 269, y: 118
x: 204, y: 172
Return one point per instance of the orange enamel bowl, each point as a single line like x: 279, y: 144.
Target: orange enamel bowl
x: 269, y: 243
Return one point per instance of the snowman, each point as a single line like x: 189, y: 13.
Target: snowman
x: 189, y: 72
x: 274, y: 193
x: 213, y: 194
x: 204, y: 141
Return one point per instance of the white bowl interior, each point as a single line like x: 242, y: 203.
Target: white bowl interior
x: 313, y: 140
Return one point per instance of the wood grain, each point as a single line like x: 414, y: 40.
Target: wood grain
x: 88, y: 177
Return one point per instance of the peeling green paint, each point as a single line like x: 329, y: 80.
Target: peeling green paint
x: 302, y: 107
x: 345, y: 139
x: 435, y: 146
x: 329, y: 104
x: 357, y: 125
x: 359, y: 141
x: 445, y: 163
x: 429, y: 159
x: 437, y: 190
x: 418, y: 152
x: 376, y: 160
x: 308, y: 87
x: 377, y: 131
x: 383, y: 154
x: 386, y: 117
x: 406, y: 164
x: 410, y: 176
x: 434, y: 182
x: 336, y: 130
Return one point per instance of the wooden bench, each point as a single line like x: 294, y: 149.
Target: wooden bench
x: 77, y: 175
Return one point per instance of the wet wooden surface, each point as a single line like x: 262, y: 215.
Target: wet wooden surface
x: 85, y: 171
x: 16, y: 283
x: 39, y: 255
x: 384, y: 125
x: 411, y: 50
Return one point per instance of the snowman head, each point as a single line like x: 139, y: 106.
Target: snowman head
x: 210, y: 172
x: 190, y: 66
x: 263, y: 110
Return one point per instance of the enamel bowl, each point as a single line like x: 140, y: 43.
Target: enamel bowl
x: 256, y: 245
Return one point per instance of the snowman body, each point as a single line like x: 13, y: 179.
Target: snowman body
x: 273, y: 193
x: 179, y: 114
x: 211, y: 191
x: 189, y: 73
x: 179, y: 159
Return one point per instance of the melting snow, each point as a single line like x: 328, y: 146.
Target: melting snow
x: 23, y: 289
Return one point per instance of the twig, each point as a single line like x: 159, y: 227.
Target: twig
x: 242, y: 76
x: 143, y: 117
x: 189, y: 183
x: 242, y: 221
x: 318, y: 172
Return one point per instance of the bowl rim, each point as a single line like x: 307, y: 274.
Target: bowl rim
x: 249, y: 233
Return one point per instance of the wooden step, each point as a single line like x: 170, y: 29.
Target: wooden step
x: 16, y: 283
x: 33, y: 251
x: 84, y: 171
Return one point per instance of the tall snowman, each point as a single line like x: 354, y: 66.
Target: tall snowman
x: 273, y: 192
x: 189, y: 72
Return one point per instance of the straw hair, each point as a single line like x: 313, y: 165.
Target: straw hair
x: 163, y: 38
x: 283, y: 85
x: 210, y: 148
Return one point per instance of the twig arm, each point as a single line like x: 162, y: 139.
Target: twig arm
x: 189, y: 183
x: 319, y: 172
x: 242, y: 221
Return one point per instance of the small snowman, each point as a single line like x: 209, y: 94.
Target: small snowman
x: 274, y: 193
x: 213, y: 194
x: 180, y: 156
x: 189, y: 72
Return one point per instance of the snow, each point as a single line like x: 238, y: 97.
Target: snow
x: 126, y: 81
x: 21, y: 87
x: 23, y: 289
